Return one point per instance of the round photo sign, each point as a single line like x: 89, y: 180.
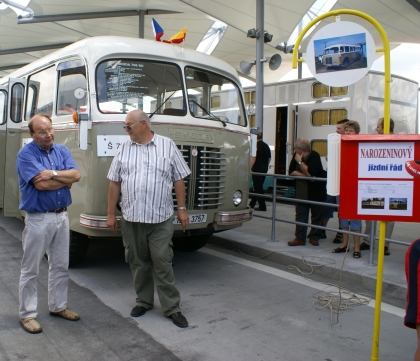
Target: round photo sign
x: 340, y: 53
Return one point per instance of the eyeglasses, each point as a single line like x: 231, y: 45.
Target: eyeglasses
x: 129, y: 127
x: 45, y: 132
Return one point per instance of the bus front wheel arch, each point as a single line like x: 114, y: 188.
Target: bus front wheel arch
x: 79, y: 244
x: 190, y: 243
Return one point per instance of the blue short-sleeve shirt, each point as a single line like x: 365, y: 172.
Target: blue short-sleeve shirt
x: 33, y: 159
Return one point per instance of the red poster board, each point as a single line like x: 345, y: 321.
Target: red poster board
x: 380, y: 178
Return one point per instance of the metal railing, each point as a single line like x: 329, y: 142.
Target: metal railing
x: 372, y: 236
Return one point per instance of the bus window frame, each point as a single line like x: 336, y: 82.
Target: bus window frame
x: 28, y: 80
x: 3, y: 120
x: 232, y: 81
x: 76, y: 62
x: 182, y: 85
x: 13, y: 100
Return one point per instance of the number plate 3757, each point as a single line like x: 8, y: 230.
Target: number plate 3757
x: 194, y: 218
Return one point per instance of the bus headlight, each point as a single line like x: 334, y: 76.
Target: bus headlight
x: 237, y: 198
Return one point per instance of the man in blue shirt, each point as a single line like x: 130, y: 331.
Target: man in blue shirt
x: 46, y: 172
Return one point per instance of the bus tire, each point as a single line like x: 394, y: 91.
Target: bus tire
x: 79, y: 244
x: 190, y: 243
x: 346, y: 63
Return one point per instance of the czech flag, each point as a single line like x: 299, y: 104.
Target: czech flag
x: 178, y: 38
x: 157, y: 30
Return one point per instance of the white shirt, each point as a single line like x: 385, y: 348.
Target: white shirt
x: 147, y: 173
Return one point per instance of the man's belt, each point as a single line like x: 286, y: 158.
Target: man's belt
x: 58, y: 210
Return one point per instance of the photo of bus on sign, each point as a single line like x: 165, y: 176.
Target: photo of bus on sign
x: 340, y: 53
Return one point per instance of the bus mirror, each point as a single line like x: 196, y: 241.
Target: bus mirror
x: 79, y: 93
x: 83, y: 131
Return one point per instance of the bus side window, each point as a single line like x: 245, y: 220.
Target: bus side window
x: 40, y: 93
x: 3, y: 106
x: 17, y: 103
x: 71, y: 76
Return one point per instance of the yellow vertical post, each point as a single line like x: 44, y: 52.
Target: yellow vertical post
x: 387, y: 103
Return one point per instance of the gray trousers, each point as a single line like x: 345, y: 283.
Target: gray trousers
x: 388, y: 230
x: 302, y: 215
x: 44, y: 232
x: 148, y: 251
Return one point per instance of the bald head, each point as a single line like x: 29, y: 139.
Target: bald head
x: 303, y: 145
x: 36, y: 118
x: 137, y: 116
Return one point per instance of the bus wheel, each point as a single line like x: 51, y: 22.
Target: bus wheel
x: 346, y: 63
x: 190, y: 243
x: 79, y: 244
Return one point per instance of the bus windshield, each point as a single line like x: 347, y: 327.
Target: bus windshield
x: 124, y: 85
x: 212, y: 96
x: 332, y: 50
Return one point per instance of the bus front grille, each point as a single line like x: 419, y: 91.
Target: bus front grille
x: 205, y: 186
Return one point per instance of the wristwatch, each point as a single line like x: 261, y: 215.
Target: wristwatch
x: 54, y: 174
x: 181, y: 208
x: 300, y: 162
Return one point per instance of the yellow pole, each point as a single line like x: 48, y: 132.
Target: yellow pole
x: 387, y: 104
x: 378, y: 300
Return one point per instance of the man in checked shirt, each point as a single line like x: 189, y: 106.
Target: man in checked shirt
x: 143, y: 172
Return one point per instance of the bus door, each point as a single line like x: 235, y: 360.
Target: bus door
x: 281, y: 141
x: 292, y: 117
x: 3, y: 118
x: 13, y: 144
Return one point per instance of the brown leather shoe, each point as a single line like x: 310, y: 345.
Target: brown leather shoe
x: 296, y: 242
x: 314, y: 242
x: 67, y: 314
x: 31, y: 325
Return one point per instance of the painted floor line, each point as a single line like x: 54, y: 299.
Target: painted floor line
x: 295, y: 278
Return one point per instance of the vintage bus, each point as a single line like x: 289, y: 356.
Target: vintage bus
x: 341, y: 55
x: 90, y: 86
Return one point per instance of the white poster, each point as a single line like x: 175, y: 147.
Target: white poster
x: 385, y: 160
x: 386, y: 198
x: 340, y: 53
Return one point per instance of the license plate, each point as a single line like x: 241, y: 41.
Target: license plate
x: 194, y: 219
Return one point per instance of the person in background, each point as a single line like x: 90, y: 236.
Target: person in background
x: 412, y: 273
x: 351, y: 127
x: 46, y: 172
x: 259, y: 164
x: 307, y: 163
x: 143, y: 171
x: 389, y: 225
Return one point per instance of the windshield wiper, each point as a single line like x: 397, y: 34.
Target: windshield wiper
x: 169, y: 97
x: 208, y: 112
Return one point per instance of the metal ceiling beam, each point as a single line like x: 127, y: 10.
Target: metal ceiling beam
x: 94, y: 15
x: 33, y: 48
x: 15, y: 66
x: 415, y: 3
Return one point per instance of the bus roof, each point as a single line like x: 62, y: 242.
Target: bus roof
x: 338, y: 45
x: 95, y: 49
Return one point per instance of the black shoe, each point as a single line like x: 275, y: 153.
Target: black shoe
x: 386, y: 251
x: 364, y: 247
x: 338, y: 238
x: 259, y: 209
x: 179, y: 320
x: 138, y: 311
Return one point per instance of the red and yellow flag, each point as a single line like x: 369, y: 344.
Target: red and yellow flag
x: 178, y: 38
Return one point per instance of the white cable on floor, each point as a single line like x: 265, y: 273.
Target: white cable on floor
x: 337, y: 300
